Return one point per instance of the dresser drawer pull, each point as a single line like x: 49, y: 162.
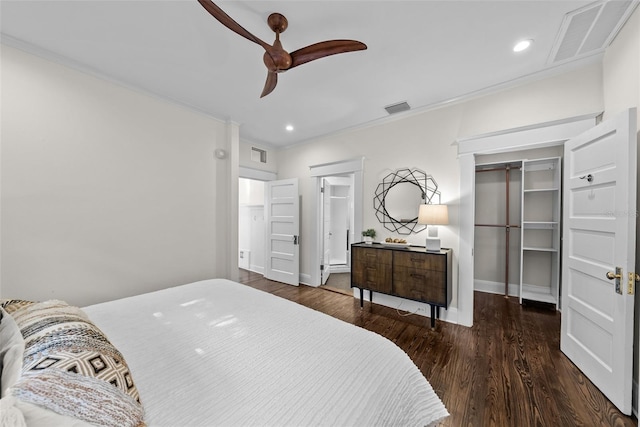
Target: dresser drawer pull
x: 416, y: 259
x: 367, y: 254
x: 417, y: 276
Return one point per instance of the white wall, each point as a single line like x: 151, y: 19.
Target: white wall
x: 106, y: 192
x: 425, y: 140
x: 621, y: 69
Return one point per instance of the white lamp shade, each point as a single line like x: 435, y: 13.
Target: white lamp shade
x: 433, y: 215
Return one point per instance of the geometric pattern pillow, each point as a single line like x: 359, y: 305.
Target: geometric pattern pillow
x: 90, y: 364
x: 62, y: 346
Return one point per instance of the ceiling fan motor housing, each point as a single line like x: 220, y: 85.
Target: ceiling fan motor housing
x: 277, y: 60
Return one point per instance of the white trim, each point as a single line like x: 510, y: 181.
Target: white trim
x: 337, y: 168
x: 305, y: 279
x: 536, y: 136
x: 256, y: 269
x: 491, y: 287
x: 634, y: 392
x: 257, y: 174
x: 340, y: 269
x: 467, y: 230
x: 540, y: 135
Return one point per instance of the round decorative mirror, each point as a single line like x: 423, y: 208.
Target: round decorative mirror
x: 399, y: 196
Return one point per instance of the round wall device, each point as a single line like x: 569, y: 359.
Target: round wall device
x: 220, y: 153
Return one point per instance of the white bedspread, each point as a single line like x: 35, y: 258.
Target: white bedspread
x: 218, y: 353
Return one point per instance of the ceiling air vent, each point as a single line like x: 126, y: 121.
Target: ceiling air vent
x: 397, y: 108
x: 590, y: 29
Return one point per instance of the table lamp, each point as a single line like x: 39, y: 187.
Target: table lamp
x: 433, y: 215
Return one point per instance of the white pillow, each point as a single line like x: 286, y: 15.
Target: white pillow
x: 11, y: 351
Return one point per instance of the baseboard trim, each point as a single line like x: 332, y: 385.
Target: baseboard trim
x: 256, y: 269
x: 305, y: 279
x: 495, y: 287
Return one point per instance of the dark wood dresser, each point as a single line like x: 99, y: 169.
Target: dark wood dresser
x: 407, y: 272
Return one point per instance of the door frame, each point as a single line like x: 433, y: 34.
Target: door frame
x: 524, y: 138
x: 344, y: 167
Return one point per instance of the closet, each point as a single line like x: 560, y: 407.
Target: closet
x: 497, y: 227
x: 518, y: 227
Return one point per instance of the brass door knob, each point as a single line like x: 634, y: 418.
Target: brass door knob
x: 611, y: 275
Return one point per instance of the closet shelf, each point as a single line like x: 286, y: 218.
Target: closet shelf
x: 539, y: 224
x: 538, y: 249
x: 539, y: 190
x: 537, y: 293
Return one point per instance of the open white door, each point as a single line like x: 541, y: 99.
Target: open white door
x: 599, y: 241
x: 282, y: 218
x: 325, y: 265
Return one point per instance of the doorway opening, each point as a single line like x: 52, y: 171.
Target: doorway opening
x: 503, y: 227
x: 337, y: 230
x: 251, y: 225
x: 343, y: 180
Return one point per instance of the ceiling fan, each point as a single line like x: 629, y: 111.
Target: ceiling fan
x: 275, y: 57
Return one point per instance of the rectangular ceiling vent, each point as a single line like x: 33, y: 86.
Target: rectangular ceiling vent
x: 590, y: 29
x: 397, y: 108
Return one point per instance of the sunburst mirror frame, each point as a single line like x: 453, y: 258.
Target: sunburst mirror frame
x: 428, y: 187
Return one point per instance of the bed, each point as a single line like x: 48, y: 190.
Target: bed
x: 209, y: 353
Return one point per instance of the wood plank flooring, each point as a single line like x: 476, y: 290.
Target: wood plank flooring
x: 507, y: 370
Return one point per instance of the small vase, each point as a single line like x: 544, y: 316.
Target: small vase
x: 368, y: 240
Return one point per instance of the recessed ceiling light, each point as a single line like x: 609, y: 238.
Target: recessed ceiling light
x: 289, y: 128
x: 522, y: 45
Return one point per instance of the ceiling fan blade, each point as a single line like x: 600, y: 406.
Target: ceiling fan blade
x: 228, y: 22
x: 322, y: 49
x: 270, y: 84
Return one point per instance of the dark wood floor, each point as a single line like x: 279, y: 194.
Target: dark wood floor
x: 507, y: 370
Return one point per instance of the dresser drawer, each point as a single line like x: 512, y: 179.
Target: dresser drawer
x: 371, y: 269
x: 373, y: 277
x: 419, y: 284
x: 371, y: 256
x: 422, y: 261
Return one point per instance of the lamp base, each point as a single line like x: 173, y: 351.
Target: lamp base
x: 433, y: 245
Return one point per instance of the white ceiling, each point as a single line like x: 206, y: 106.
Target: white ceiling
x: 423, y: 52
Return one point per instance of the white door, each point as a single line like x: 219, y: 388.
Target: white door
x: 282, y: 218
x: 325, y: 265
x: 599, y: 237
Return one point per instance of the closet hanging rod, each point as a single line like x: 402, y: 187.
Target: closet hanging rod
x: 497, y: 225
x: 498, y: 169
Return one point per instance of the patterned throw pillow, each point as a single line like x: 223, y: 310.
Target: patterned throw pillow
x: 67, y: 360
x: 11, y: 305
